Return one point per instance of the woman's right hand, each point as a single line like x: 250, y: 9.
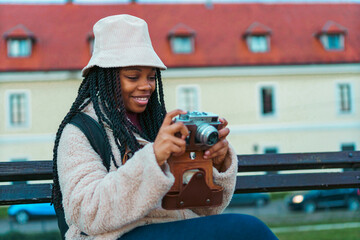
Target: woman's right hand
x: 166, y: 143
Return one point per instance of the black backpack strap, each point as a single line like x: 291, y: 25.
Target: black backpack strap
x: 63, y: 227
x: 94, y: 134
x: 96, y: 137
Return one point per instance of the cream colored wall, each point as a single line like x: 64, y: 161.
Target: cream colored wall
x: 307, y: 119
x: 50, y: 101
x: 310, y: 99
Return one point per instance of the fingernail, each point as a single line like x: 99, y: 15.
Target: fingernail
x: 207, y: 153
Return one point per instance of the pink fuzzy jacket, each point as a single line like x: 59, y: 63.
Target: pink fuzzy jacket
x: 106, y: 205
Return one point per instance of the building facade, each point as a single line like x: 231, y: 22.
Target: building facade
x: 285, y: 76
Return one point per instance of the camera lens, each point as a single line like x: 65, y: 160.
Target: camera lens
x: 206, y: 134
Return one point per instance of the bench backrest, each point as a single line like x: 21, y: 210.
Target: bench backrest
x: 256, y: 173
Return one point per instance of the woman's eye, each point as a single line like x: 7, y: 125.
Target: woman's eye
x: 153, y: 78
x: 132, y: 77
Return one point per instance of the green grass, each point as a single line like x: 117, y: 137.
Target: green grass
x: 338, y: 234
x: 312, y: 219
x: 31, y: 236
x: 3, y: 212
x: 279, y: 195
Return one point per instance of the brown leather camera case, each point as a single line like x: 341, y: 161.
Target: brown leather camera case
x: 200, y: 191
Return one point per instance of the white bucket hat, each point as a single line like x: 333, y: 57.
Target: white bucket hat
x: 122, y: 41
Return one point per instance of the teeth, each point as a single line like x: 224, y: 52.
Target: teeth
x: 142, y: 99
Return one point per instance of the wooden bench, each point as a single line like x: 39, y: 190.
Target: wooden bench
x: 250, y: 179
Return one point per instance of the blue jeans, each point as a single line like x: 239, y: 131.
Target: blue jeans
x: 223, y: 226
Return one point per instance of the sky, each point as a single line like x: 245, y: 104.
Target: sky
x: 174, y: 1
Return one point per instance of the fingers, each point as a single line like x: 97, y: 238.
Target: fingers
x: 170, y: 115
x: 223, y: 133
x: 224, y: 123
x: 219, y: 150
x: 178, y: 127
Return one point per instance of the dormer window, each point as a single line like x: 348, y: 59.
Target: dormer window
x: 258, y: 43
x: 91, y: 41
x: 332, y: 36
x: 20, y: 41
x: 182, y: 39
x: 19, y: 47
x: 332, y: 41
x: 257, y: 38
x: 181, y: 44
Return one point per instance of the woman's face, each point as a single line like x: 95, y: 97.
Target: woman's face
x: 137, y: 85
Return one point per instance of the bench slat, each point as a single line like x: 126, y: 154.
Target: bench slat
x: 297, y: 161
x: 42, y: 170
x: 26, y: 170
x: 301, y: 181
x: 30, y: 193
x: 25, y: 193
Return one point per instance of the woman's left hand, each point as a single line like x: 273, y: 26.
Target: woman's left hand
x: 218, y: 152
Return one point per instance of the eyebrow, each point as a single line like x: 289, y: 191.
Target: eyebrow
x: 136, y: 69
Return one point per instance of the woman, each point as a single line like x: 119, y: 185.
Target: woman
x: 122, y: 90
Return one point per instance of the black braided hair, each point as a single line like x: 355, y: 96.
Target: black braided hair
x: 101, y: 87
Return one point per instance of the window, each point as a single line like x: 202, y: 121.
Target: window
x: 257, y: 37
x: 182, y: 44
x: 19, y: 47
x: 344, y: 98
x: 258, y: 43
x: 182, y: 39
x: 348, y: 147
x: 270, y: 150
x: 91, y: 40
x: 91, y: 43
x: 332, y: 36
x: 333, y: 41
x: 267, y: 101
x: 18, y: 109
x: 188, y: 98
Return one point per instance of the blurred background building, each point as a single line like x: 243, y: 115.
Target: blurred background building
x: 285, y: 76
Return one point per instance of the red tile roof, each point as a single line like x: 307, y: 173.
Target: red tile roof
x: 62, y: 32
x: 19, y: 31
x: 257, y: 28
x: 333, y: 27
x: 181, y: 30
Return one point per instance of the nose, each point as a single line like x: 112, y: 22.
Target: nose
x: 144, y: 85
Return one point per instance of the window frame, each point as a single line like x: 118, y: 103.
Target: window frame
x: 180, y: 105
x: 27, y: 109
x: 274, y: 112
x: 324, y: 39
x: 13, y: 39
x: 270, y: 147
x: 173, y: 42
x: 347, y: 144
x: 91, y: 41
x: 249, y: 41
x: 350, y: 98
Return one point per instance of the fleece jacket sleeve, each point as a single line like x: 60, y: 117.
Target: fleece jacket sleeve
x: 97, y: 201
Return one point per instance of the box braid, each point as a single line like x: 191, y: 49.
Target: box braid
x: 101, y: 87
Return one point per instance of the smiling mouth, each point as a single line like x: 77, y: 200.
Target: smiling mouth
x: 141, y: 100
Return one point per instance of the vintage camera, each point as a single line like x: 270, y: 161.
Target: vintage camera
x: 203, y: 129
x: 194, y: 186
